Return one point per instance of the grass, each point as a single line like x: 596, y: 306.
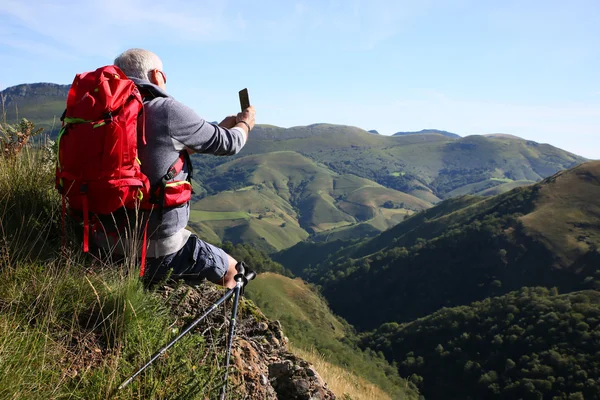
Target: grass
x: 291, y: 299
x: 71, y: 333
x: 503, y: 188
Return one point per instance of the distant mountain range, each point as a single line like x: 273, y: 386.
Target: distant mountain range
x: 327, y: 182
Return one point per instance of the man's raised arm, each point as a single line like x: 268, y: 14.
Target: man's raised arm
x: 200, y: 136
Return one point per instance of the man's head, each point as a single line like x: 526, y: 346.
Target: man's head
x: 142, y: 64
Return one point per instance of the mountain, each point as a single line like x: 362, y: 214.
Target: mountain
x: 465, y: 297
x: 431, y: 165
x: 374, y: 131
x: 41, y: 103
x: 328, y: 182
x: 428, y: 131
x: 428, y: 166
x: 464, y: 250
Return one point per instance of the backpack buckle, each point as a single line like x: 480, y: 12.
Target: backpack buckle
x: 170, y: 175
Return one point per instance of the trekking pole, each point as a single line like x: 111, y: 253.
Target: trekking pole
x: 251, y: 275
x: 241, y: 280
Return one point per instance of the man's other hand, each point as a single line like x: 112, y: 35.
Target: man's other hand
x: 229, y: 122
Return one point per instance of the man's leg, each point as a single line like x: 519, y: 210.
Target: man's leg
x: 207, y: 262
x: 213, y: 263
x: 197, y: 260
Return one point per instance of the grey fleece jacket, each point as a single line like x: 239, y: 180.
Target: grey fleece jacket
x: 171, y: 127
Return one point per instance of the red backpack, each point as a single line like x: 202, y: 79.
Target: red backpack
x: 97, y: 169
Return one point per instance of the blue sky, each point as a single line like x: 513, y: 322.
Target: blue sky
x: 528, y: 68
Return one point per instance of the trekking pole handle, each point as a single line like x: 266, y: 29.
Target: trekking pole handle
x: 244, y: 274
x: 240, y: 268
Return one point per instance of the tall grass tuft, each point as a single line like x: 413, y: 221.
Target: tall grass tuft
x: 72, y: 330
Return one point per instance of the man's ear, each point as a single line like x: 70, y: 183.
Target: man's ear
x: 153, y: 76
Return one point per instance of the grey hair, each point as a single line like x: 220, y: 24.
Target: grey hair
x: 137, y: 63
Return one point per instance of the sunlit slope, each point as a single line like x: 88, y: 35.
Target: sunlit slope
x: 283, y: 197
x: 463, y: 250
x: 566, y: 217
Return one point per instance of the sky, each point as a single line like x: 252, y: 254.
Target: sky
x: 528, y: 68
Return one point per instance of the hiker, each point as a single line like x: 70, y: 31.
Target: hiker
x: 172, y: 132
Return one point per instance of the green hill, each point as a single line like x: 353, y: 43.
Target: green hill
x: 464, y: 250
x: 278, y: 199
x: 309, y: 324
x: 428, y: 167
x: 430, y: 162
x: 529, y: 344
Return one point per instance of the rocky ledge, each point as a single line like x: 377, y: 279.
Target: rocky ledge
x: 264, y: 367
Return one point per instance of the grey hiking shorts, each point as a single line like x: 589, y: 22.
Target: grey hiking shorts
x: 197, y: 260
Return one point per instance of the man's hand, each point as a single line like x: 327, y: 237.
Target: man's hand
x: 229, y: 122
x: 248, y: 116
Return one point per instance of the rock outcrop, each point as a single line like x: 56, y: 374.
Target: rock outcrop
x: 264, y: 368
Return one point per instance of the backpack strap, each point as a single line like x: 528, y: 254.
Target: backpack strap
x: 157, y: 195
x: 148, y: 92
x: 86, y: 219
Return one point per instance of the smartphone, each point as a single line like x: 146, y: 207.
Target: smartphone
x: 244, y: 100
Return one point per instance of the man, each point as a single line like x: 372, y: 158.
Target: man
x: 171, y: 127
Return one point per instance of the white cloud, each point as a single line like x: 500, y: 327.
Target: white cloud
x: 104, y: 27
x: 37, y: 48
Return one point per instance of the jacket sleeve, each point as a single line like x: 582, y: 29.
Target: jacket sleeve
x: 190, y: 130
